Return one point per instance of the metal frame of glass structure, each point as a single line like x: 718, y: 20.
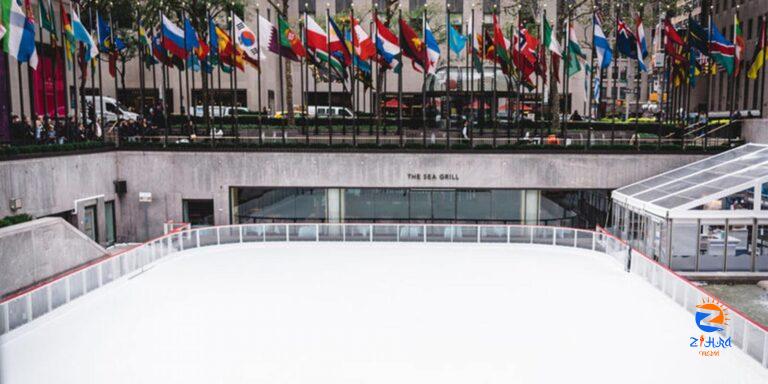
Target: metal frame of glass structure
x: 710, y: 215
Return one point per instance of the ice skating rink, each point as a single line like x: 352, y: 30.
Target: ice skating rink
x: 337, y: 313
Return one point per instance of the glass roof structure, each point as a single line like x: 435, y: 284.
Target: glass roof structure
x: 686, y: 189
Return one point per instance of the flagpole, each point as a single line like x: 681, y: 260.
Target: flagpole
x: 373, y: 91
x: 592, y: 64
x: 42, y: 65
x: 471, y: 76
x: 114, y: 49
x: 481, y: 104
x: 731, y: 84
x: 400, y: 89
x: 495, y: 102
x: 164, y: 72
x: 709, y: 73
x: 301, y: 81
x: 305, y: 89
x: 615, y: 71
x: 355, y: 69
x: 762, y: 72
x: 519, y: 89
x: 447, y: 74
x: 377, y: 96
x: 424, y: 80
x: 258, y: 72
x: 54, y: 61
x: 233, y: 77
x: 141, y: 66
x: 330, y: 77
x: 93, y: 73
x: 206, y: 78
x: 566, y: 79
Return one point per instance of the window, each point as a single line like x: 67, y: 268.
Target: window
x: 198, y: 212
x: 90, y: 227
x: 342, y: 5
x: 416, y: 4
x: 488, y: 6
x: 308, y: 6
x: 457, y: 6
x: 749, y: 29
x: 737, y: 201
x: 109, y: 218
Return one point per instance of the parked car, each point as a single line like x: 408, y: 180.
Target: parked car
x: 336, y: 112
x: 113, y: 109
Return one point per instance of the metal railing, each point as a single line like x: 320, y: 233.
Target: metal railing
x: 30, y: 304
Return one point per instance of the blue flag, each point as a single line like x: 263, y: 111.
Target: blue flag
x: 602, y: 47
x: 456, y: 40
x: 105, y: 37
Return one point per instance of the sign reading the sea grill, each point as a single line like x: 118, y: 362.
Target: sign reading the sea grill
x: 433, y: 176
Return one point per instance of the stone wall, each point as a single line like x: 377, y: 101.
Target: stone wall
x: 36, y: 250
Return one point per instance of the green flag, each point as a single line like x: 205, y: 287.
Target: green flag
x: 6, y: 16
x: 46, y: 19
x: 575, y: 55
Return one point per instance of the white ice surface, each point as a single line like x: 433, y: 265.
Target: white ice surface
x: 361, y: 313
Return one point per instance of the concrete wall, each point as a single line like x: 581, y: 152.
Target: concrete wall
x: 173, y: 176
x: 36, y: 250
x: 755, y: 130
x: 52, y: 185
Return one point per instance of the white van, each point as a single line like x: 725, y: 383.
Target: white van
x: 216, y: 111
x: 336, y: 112
x: 112, y: 108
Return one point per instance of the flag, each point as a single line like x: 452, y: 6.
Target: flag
x: 82, y: 35
x: 229, y: 54
x: 574, y: 52
x: 173, y: 38
x: 163, y: 56
x: 191, y: 40
x: 386, y: 46
x: 245, y: 39
x: 413, y: 47
x: 5, y: 18
x: 456, y: 41
x: 145, y: 42
x: 738, y: 37
x: 338, y: 45
x: 68, y: 36
x: 104, y: 33
x: 673, y: 39
x: 289, y: 41
x: 317, y: 47
x: 213, y: 42
x: 758, y: 59
x: 625, y: 40
x: 501, y: 47
x: 602, y: 47
x: 721, y: 50
x: 21, y: 36
x: 550, y: 41
x: 2, y: 31
x: 364, y: 47
x: 697, y: 36
x: 642, y: 47
x: 46, y: 20
x: 433, y: 48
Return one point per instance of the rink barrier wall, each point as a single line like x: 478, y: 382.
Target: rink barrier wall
x: 28, y: 305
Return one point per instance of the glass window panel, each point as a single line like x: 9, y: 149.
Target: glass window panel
x: 712, y: 246
x: 761, y: 257
x: 473, y: 205
x: 739, y: 251
x: 358, y: 204
x: 444, y: 204
x: 672, y: 201
x: 507, y: 205
x: 652, y: 195
x: 391, y: 204
x: 737, y: 201
x: 684, y: 246
x: 420, y: 204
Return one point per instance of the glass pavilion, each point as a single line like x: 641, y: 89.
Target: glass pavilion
x: 710, y: 215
